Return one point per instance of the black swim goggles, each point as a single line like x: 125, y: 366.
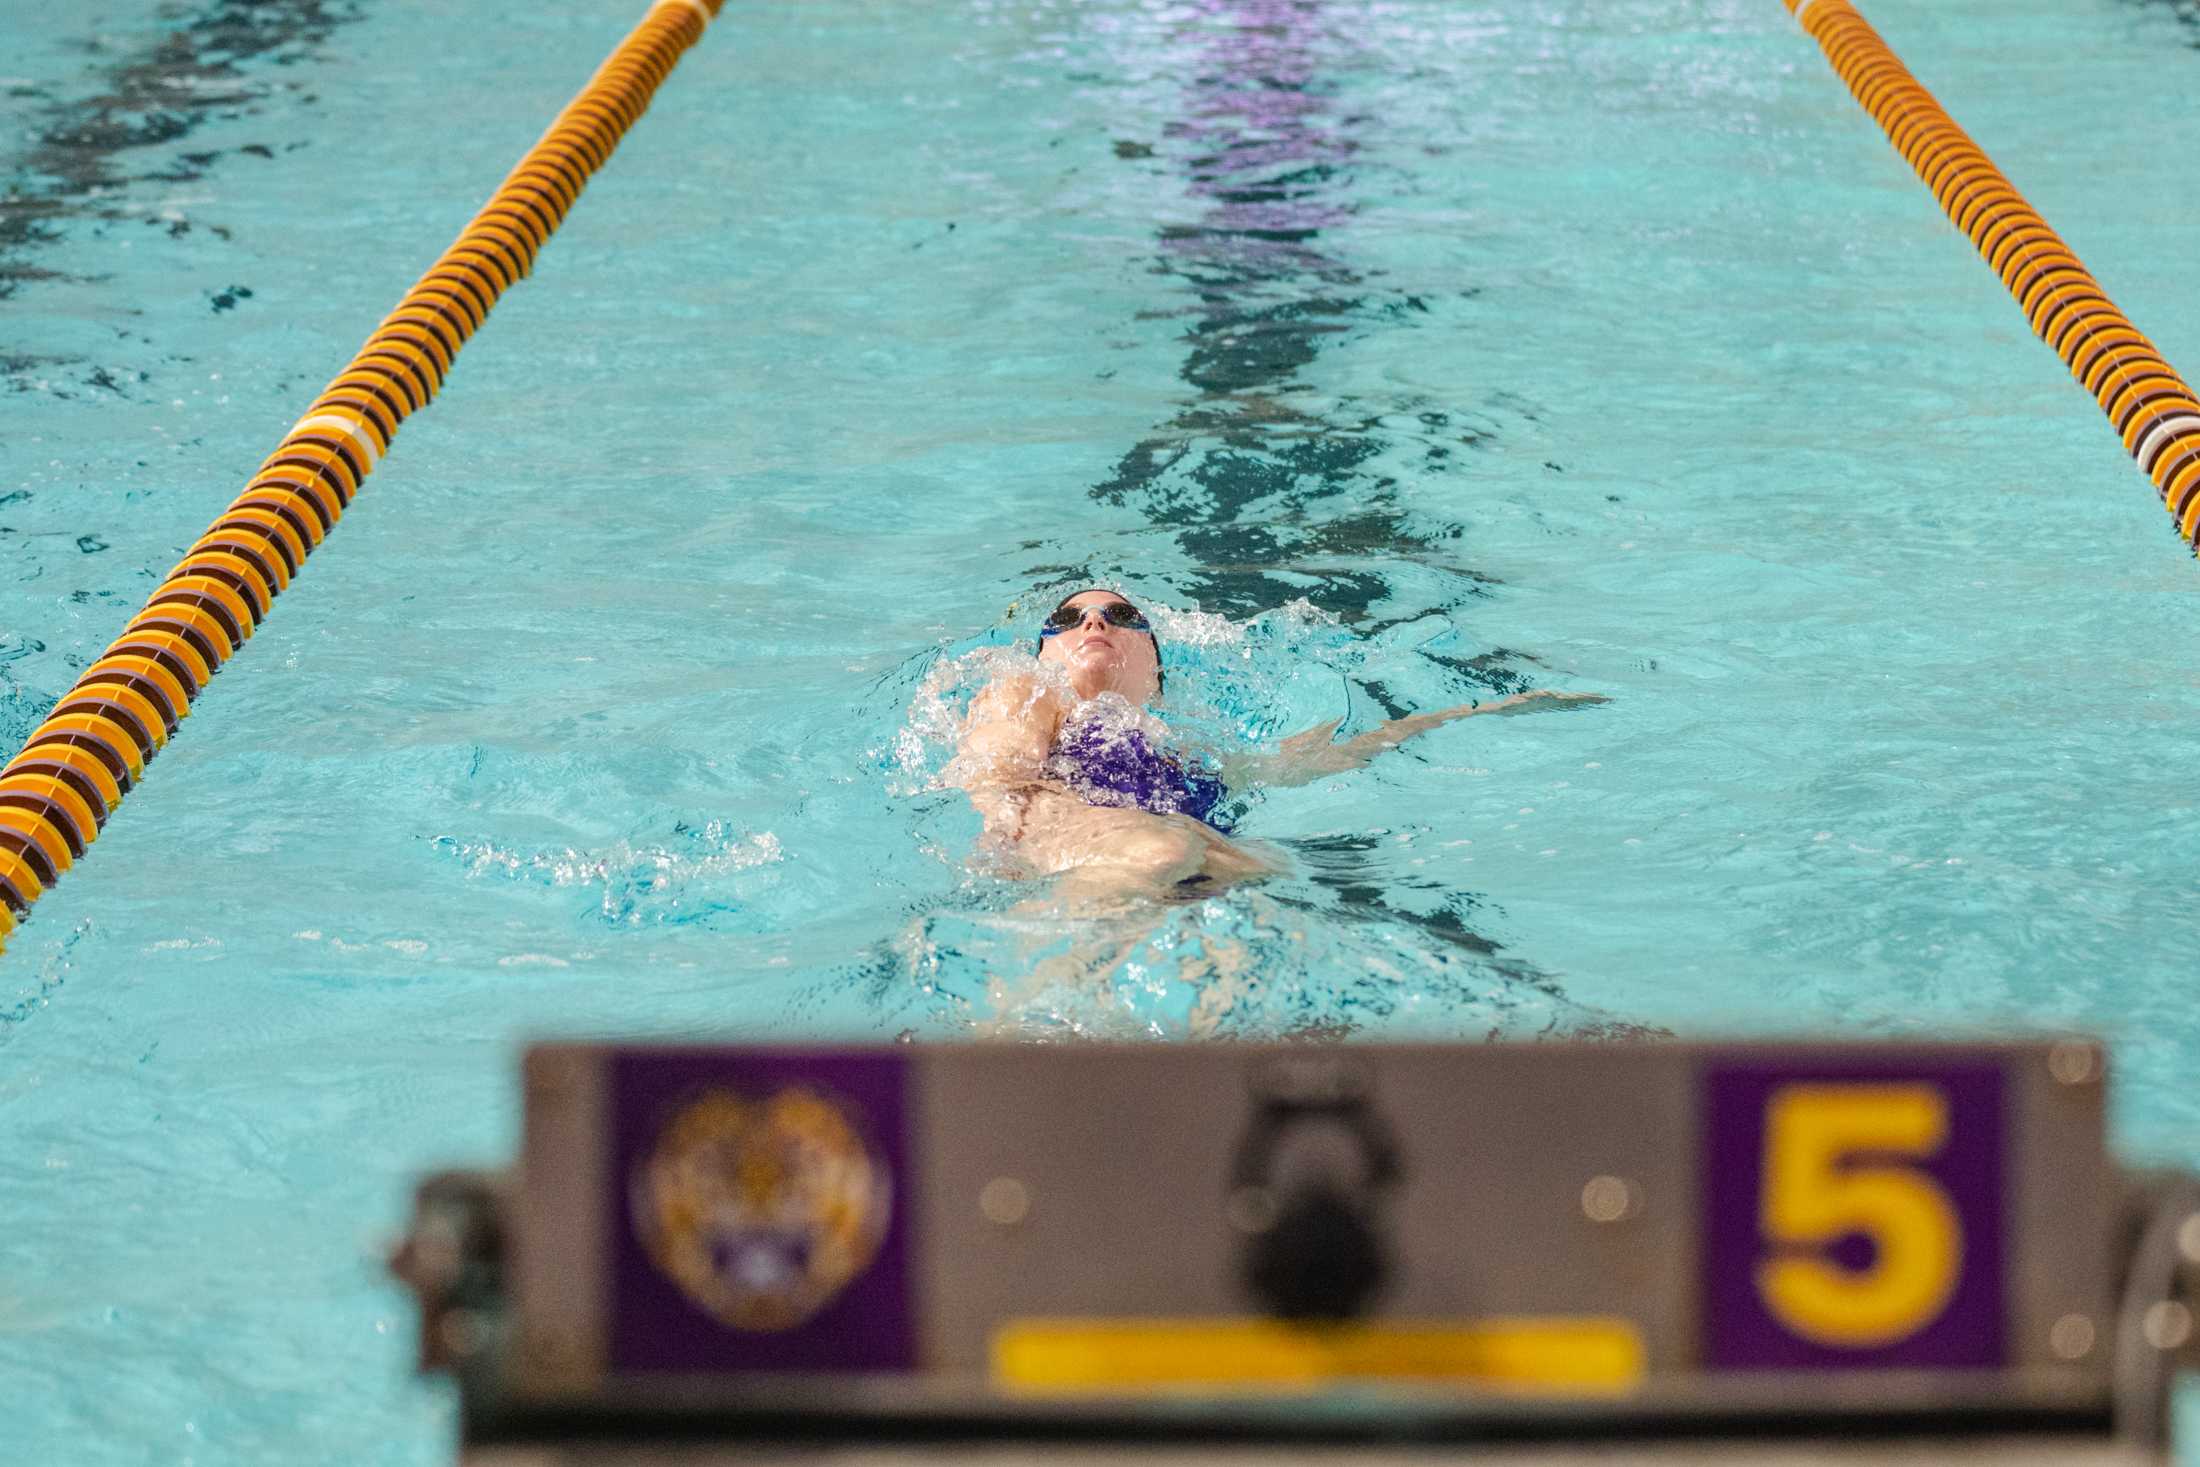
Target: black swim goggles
x: 1114, y: 613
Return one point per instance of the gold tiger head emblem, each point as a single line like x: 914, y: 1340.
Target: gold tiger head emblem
x: 761, y: 1210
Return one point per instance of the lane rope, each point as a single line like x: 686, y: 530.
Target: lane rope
x: 57, y: 793
x: 2147, y: 403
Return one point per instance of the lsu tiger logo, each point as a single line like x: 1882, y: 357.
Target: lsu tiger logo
x: 762, y: 1209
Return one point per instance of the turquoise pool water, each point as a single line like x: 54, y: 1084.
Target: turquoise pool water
x: 1403, y: 352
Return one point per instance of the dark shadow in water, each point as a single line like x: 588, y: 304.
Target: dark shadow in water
x: 81, y: 151
x: 1343, y: 869
x: 1264, y: 496
x: 2187, y: 11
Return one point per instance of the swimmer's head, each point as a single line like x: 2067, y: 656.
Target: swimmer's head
x: 1106, y: 643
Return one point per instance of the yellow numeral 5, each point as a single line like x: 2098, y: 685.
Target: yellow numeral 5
x: 1811, y: 1200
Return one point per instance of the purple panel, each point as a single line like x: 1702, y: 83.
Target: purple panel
x: 1740, y: 1333
x: 759, y: 1211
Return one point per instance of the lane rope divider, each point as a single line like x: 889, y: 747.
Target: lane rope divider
x: 56, y: 794
x: 2145, y: 400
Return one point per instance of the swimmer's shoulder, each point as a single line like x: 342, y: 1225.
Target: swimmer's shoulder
x: 1022, y: 698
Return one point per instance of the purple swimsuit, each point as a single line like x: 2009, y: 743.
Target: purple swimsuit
x: 1120, y: 768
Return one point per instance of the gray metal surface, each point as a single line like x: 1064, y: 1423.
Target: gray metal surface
x: 1124, y: 1156
x: 557, y: 1245
x: 2062, y: 1200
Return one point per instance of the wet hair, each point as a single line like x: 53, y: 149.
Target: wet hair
x: 1160, y: 678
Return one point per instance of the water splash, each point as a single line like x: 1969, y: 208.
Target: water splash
x: 639, y: 884
x: 1233, y: 686
x: 1288, y: 959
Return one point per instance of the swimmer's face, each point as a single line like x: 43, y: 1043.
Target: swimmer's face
x: 1102, y: 658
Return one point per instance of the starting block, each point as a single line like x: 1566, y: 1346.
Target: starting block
x: 1742, y: 1252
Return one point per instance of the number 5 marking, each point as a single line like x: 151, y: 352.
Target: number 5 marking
x: 1817, y: 1191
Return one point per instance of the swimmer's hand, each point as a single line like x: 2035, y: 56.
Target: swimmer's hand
x: 1535, y: 700
x: 1310, y: 755
x: 1011, y: 727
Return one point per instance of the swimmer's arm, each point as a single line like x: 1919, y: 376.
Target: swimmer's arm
x: 1006, y: 738
x: 1308, y: 756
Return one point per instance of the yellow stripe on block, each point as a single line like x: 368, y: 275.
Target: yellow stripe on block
x: 1585, y: 1355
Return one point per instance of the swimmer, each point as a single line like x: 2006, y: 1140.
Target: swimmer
x: 1075, y: 778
